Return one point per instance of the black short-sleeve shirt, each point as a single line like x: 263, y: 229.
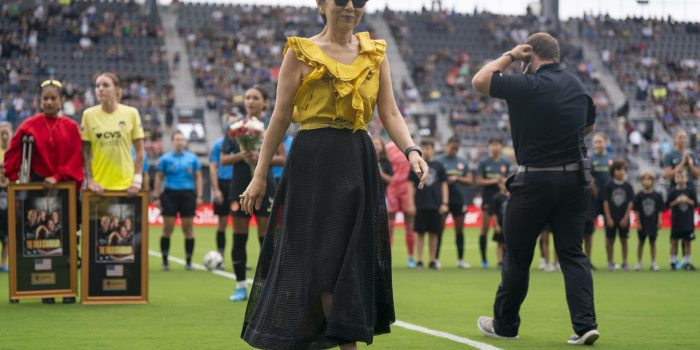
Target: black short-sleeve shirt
x: 618, y: 196
x: 548, y: 112
x: 682, y: 215
x: 648, y: 206
x: 430, y: 197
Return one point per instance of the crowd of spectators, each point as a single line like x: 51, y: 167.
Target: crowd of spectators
x: 101, y: 29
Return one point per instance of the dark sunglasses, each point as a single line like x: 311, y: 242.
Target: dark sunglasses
x: 358, y: 4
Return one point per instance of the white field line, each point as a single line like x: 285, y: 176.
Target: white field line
x: 398, y: 323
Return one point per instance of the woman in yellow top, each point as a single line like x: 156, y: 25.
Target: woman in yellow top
x: 109, y: 131
x: 323, y: 277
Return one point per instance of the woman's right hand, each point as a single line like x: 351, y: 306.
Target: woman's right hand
x: 95, y: 187
x: 252, y: 197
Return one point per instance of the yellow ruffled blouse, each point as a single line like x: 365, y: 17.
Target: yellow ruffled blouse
x: 334, y: 94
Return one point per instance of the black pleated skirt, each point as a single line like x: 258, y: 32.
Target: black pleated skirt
x: 328, y: 233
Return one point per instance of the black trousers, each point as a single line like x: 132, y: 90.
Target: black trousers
x: 538, y: 198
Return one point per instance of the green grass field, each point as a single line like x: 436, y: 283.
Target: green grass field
x: 190, y: 310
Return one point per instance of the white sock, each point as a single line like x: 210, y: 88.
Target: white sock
x: 674, y: 258
x: 241, y: 284
x: 686, y: 259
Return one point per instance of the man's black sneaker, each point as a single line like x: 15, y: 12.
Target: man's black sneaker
x: 48, y: 301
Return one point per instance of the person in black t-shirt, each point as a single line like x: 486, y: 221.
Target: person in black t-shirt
x: 430, y: 204
x: 649, y: 205
x: 497, y: 207
x: 617, y: 205
x: 682, y: 201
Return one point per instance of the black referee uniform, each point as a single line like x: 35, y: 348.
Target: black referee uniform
x: 549, y: 111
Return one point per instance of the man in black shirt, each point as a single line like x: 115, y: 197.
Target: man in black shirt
x: 550, y: 113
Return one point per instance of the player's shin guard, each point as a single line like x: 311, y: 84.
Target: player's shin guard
x: 238, y: 255
x: 221, y: 242
x: 459, y: 241
x: 189, y: 249
x: 165, y: 248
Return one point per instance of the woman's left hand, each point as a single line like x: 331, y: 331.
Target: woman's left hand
x: 252, y: 197
x: 419, y: 167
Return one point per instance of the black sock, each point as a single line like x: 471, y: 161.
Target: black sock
x: 439, y: 244
x: 482, y: 247
x: 459, y: 240
x: 238, y: 255
x: 261, y: 240
x: 221, y: 241
x: 189, y: 249
x: 165, y: 248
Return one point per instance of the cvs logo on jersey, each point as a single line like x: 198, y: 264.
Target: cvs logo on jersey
x: 109, y: 135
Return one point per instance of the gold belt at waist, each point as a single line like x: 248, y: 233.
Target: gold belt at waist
x: 337, y: 123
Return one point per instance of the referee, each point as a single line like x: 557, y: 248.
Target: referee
x: 550, y: 113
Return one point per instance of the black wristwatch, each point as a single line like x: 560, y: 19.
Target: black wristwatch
x: 412, y: 149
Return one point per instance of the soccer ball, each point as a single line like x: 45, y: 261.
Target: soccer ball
x: 213, y: 260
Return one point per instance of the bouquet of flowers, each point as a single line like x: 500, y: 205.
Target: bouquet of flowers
x: 248, y: 133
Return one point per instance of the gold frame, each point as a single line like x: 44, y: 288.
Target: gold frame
x: 72, y: 245
x: 86, y: 253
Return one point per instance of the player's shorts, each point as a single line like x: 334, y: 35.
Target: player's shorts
x: 427, y: 221
x: 683, y: 235
x: 652, y: 234
x: 610, y: 233
x: 396, y: 201
x: 224, y: 209
x: 174, y: 202
x: 457, y: 209
x: 589, y: 227
x: 265, y: 209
